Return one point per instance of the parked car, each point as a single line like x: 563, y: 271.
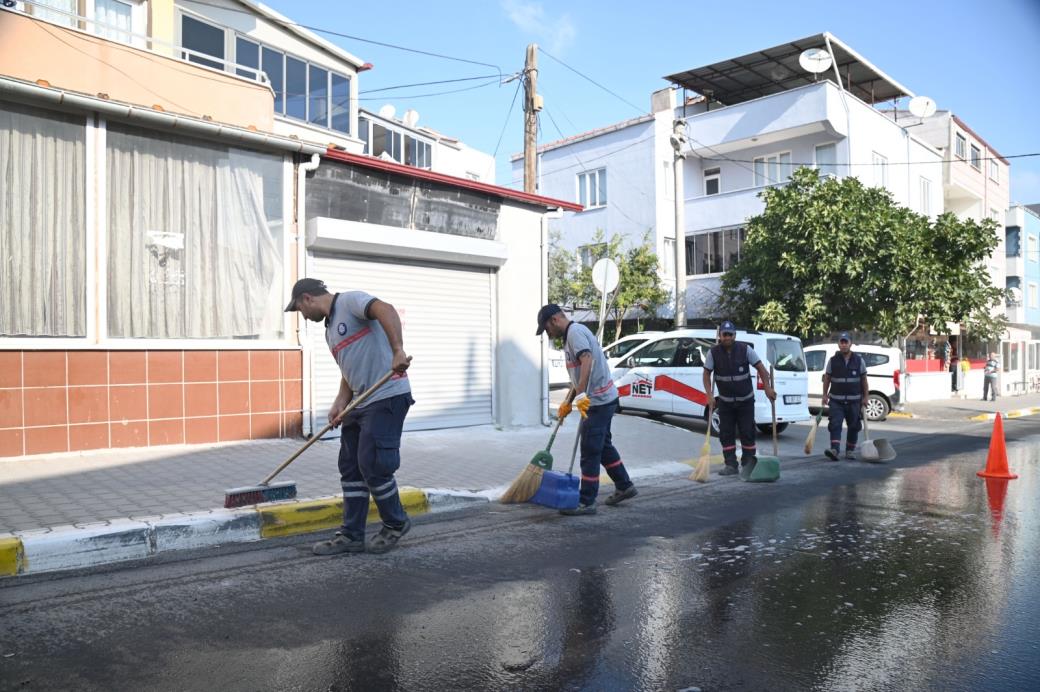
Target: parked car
x: 883, y: 376
x: 557, y: 364
x: 625, y: 345
x: 665, y: 376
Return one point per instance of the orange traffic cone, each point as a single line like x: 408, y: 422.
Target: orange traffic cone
x: 996, y: 462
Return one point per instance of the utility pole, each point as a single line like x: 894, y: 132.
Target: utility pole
x: 678, y: 140
x: 532, y: 104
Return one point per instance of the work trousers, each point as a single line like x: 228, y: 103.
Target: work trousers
x: 369, y: 455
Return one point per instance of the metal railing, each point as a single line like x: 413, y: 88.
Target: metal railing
x: 43, y: 12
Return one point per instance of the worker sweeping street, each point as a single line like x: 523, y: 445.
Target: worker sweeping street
x: 845, y: 393
x: 364, y: 335
x: 731, y: 362
x: 592, y: 392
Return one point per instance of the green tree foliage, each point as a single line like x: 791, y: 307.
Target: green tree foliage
x: 829, y: 254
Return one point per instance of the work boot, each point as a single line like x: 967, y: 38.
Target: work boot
x: 621, y: 495
x: 746, y: 468
x: 831, y: 454
x: 728, y: 470
x: 387, y: 538
x: 580, y: 510
x: 850, y: 455
x: 338, y: 544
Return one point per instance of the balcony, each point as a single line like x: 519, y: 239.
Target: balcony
x: 68, y: 51
x: 1014, y: 266
x: 802, y: 111
x: 725, y: 209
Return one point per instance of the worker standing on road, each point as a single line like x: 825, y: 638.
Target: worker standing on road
x: 732, y: 363
x: 845, y: 388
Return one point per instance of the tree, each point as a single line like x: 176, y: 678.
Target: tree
x: 639, y: 286
x: 830, y: 254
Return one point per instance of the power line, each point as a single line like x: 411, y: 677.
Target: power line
x: 594, y: 158
x: 509, y: 115
x: 494, y: 80
x: 584, y: 76
x: 440, y: 81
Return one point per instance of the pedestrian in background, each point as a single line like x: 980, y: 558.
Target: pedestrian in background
x: 845, y: 392
x: 732, y: 362
x: 965, y: 369
x: 594, y: 394
x: 989, y: 382
x: 364, y: 335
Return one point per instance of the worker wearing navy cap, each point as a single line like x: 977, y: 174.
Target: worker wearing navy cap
x: 731, y: 362
x: 845, y: 387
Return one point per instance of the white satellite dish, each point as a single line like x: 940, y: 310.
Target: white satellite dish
x: 387, y: 111
x: 815, y: 60
x: 411, y: 117
x: 922, y: 106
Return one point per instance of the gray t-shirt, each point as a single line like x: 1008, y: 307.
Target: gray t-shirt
x: 752, y: 359
x: 361, y: 348
x: 580, y: 340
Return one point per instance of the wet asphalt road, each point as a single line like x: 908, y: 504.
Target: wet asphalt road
x: 917, y: 575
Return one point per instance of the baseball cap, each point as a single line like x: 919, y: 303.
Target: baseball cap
x: 844, y: 336
x: 305, y: 285
x: 544, y: 314
x: 727, y: 328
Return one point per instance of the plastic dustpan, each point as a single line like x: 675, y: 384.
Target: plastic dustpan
x: 558, y: 491
x: 767, y: 470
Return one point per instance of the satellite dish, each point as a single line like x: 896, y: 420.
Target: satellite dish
x: 922, y: 106
x: 411, y: 117
x: 387, y: 112
x: 815, y: 60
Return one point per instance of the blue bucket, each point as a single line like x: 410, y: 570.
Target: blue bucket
x: 558, y: 491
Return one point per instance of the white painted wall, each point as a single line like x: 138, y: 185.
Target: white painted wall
x: 464, y: 162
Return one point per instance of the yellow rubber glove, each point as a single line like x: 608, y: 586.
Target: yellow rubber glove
x: 582, y: 403
x: 564, y: 410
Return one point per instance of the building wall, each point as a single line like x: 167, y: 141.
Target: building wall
x: 72, y: 400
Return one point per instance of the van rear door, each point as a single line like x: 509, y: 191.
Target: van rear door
x: 790, y: 376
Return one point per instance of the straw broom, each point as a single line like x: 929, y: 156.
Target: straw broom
x: 530, y: 479
x: 701, y: 471
x: 810, y: 439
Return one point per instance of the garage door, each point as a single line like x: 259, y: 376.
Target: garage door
x: 447, y: 320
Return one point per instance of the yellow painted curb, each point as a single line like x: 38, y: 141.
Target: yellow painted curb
x: 982, y: 417
x: 293, y: 518
x: 11, y: 556
x: 899, y: 414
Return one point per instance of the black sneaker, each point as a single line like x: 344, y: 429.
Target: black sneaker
x: 728, y: 470
x: 850, y: 455
x: 621, y: 495
x: 831, y: 454
x: 580, y: 510
x: 387, y: 538
x: 338, y: 544
x: 746, y: 468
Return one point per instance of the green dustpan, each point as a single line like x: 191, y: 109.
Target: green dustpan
x: 767, y: 470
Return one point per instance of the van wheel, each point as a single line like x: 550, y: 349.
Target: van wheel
x: 768, y: 429
x: 714, y: 422
x: 877, y: 407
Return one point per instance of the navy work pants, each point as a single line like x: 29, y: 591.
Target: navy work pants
x: 850, y: 413
x: 734, y: 417
x: 597, y: 449
x: 369, y: 454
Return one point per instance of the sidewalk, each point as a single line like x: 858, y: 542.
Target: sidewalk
x: 973, y: 409
x: 60, y: 511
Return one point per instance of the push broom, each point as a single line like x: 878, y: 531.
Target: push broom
x: 700, y: 472
x: 266, y: 491
x: 810, y: 439
x: 530, y: 479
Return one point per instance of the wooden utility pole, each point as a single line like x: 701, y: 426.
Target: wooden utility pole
x: 532, y: 104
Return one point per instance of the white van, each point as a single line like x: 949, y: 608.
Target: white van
x: 625, y: 345
x: 883, y: 376
x: 665, y: 376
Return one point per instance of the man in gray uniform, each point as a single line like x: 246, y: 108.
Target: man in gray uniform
x: 364, y: 335
x: 597, y: 400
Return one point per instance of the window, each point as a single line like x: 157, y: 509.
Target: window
x: 994, y: 171
x: 417, y: 152
x: 976, y: 158
x: 772, y: 169
x: 659, y: 353
x: 873, y: 359
x: 388, y: 142
x: 815, y: 361
x: 785, y: 355
x: 711, y: 181
x: 690, y: 353
x: 189, y: 224
x: 619, y: 350
x: 362, y: 124
x: 318, y: 97
x: 247, y: 54
x: 1031, y: 299
x: 827, y: 159
x: 1032, y: 251
x: 295, y: 88
x: 668, y: 260
x: 714, y: 252
x: 43, y: 223
x: 926, y: 196
x: 273, y: 63
x: 340, y: 103
x: 880, y: 170
x: 63, y: 13
x: 960, y: 146
x: 113, y: 20
x: 592, y: 188
x: 200, y: 37
x: 590, y: 254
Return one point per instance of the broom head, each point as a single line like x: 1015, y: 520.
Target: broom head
x: 255, y: 494
x: 701, y: 471
x: 810, y: 439
x: 526, y: 484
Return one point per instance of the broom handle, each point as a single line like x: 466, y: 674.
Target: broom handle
x: 552, y: 438
x: 772, y: 406
x: 866, y: 431
x: 331, y: 424
x: 574, y: 452
x: 711, y: 405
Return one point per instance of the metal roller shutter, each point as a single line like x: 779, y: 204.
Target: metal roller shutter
x: 447, y: 318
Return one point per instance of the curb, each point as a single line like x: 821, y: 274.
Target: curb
x: 1017, y: 413
x: 89, y: 545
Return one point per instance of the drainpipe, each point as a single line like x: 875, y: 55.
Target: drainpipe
x: 544, y: 254
x: 301, y: 271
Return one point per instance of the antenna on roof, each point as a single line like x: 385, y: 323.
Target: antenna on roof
x: 815, y: 60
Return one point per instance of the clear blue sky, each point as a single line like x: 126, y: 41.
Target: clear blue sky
x: 980, y: 59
